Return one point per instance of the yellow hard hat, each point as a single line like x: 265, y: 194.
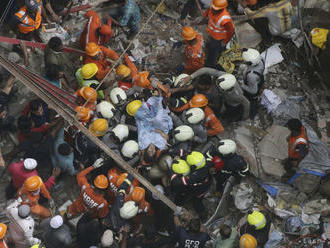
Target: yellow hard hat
x: 247, y: 241
x: 196, y: 159
x: 133, y: 107
x: 99, y: 127
x: 33, y: 183
x: 123, y: 71
x: 180, y: 167
x: 3, y: 230
x: 257, y: 219
x: 89, y: 70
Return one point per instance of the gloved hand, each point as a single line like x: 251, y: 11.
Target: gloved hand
x: 98, y: 163
x: 178, y: 211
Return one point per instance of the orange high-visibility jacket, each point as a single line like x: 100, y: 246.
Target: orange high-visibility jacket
x: 212, y: 123
x: 216, y: 25
x: 88, y: 200
x: 90, y: 105
x: 296, y: 140
x: 27, y: 24
x: 195, y: 56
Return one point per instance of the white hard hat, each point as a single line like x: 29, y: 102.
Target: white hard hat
x: 56, y: 222
x: 128, y: 210
x: 159, y: 188
x: 227, y: 146
x: 121, y: 132
x: 195, y: 115
x: 252, y: 56
x: 107, y: 238
x: 117, y: 95
x: 226, y: 81
x: 106, y: 109
x: 30, y: 163
x: 130, y: 148
x: 183, y: 133
x: 179, y: 78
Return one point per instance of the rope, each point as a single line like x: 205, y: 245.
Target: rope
x: 5, y: 12
x: 129, y: 45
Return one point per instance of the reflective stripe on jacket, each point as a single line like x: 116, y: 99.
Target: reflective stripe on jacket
x: 27, y: 24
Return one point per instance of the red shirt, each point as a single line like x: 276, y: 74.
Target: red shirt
x: 20, y: 174
x: 43, y: 129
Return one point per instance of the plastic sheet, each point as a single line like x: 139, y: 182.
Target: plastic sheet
x: 275, y: 238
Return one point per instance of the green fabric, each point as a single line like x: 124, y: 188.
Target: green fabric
x: 83, y: 83
x: 231, y: 242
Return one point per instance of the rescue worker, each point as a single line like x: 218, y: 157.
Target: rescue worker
x: 194, y: 117
x: 116, y: 137
x: 29, y: 194
x: 3, y: 231
x: 179, y: 170
x: 91, y: 199
x: 220, y: 29
x: 21, y: 225
x: 84, y: 114
x: 257, y: 225
x: 105, y: 110
x: 297, y: 144
x: 195, y: 55
x: 248, y: 241
x: 86, y: 94
x: 147, y: 81
x: 211, y: 122
x: 58, y: 8
x: 130, y: 152
x: 138, y: 196
x: 253, y: 78
x: 118, y: 97
x: 183, y: 137
x: 86, y: 76
x: 95, y: 31
x: 100, y: 55
x: 127, y: 74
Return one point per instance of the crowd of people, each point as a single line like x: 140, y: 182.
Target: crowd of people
x: 169, y: 130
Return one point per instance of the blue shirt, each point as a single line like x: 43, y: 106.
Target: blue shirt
x: 131, y: 14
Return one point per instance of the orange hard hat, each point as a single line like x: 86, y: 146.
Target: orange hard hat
x: 92, y: 49
x: 101, y: 182
x: 83, y: 114
x: 198, y: 101
x: 105, y: 30
x: 121, y: 179
x: 3, y: 230
x: 143, y: 80
x: 188, y: 33
x: 248, y: 241
x: 138, y: 194
x: 33, y: 183
x: 88, y: 93
x: 219, y: 4
x: 113, y: 175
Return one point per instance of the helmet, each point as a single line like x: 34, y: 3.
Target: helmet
x: 123, y: 71
x: 159, y: 188
x: 165, y: 162
x: 38, y: 246
x: 195, y: 115
x: 257, y: 219
x: 138, y: 194
x: 183, y: 133
x: 32, y: 4
x: 121, y: 132
x: 101, y: 182
x: 33, y: 183
x: 129, y: 210
x: 83, y: 114
x: 179, y: 78
x: 252, y: 56
x: 105, y: 30
x: 88, y: 92
x: 197, y: 159
x: 143, y: 80
x: 198, y: 101
x: 188, y: 33
x: 227, y: 146
x: 181, y: 167
x: 247, y: 241
x: 92, y: 49
x: 133, y: 107
x: 107, y: 239
x: 117, y: 96
x: 3, y: 230
x: 130, y: 149
x: 89, y: 70
x: 122, y: 177
x: 30, y: 164
x: 226, y: 81
x: 105, y: 109
x: 219, y: 4
x: 99, y: 127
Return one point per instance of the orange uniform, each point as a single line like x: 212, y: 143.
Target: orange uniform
x: 90, y: 105
x: 134, y: 74
x: 195, y: 56
x: 212, y: 123
x: 88, y: 201
x: 220, y: 26
x: 27, y: 24
x: 90, y: 31
x: 296, y: 140
x: 32, y: 198
x: 102, y: 63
